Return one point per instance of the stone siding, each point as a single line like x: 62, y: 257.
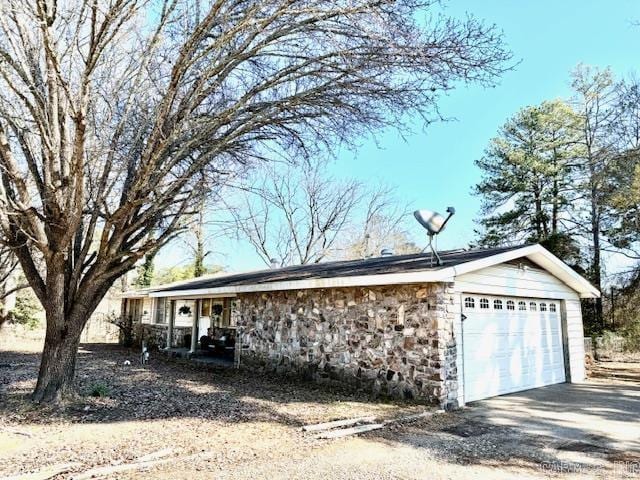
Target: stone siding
x: 155, y: 335
x: 393, y: 341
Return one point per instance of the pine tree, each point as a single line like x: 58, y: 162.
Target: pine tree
x: 527, y: 175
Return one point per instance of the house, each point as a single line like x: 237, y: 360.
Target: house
x: 484, y: 322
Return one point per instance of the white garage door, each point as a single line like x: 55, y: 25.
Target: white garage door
x: 510, y: 344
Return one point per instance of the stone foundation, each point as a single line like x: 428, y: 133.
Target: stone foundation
x: 393, y: 341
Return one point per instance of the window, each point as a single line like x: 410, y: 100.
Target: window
x: 469, y: 302
x: 497, y: 304
x: 511, y: 305
x: 220, y: 312
x: 533, y: 307
x: 552, y: 307
x: 484, y: 303
x: 543, y: 307
x: 522, y: 306
x: 134, y: 308
x: 161, y: 310
x: 205, y: 307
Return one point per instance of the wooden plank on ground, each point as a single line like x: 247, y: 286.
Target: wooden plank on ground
x: 110, y: 470
x: 344, y: 432
x: 337, y: 423
x: 165, y: 452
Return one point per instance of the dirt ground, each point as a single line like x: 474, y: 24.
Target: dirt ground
x: 209, y: 423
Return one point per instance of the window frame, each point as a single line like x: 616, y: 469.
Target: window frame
x: 205, y: 307
x: 160, y: 314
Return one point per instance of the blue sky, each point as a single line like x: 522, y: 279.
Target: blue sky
x: 433, y: 167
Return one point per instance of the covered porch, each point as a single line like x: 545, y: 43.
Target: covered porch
x: 197, y: 327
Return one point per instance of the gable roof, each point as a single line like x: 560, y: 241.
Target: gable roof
x: 397, y: 269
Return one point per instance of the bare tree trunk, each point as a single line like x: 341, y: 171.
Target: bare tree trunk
x: 57, y: 367
x: 556, y: 194
x: 539, y: 218
x: 199, y: 254
x: 596, y: 266
x: 65, y: 320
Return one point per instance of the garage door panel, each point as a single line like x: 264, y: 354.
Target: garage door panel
x: 510, y: 344
x: 513, y: 367
x: 511, y: 378
x: 483, y: 391
x: 482, y: 359
x: 499, y: 343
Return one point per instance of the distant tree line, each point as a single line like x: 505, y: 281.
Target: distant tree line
x: 566, y: 174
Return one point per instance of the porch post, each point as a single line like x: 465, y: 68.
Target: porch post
x: 194, y: 328
x: 172, y: 318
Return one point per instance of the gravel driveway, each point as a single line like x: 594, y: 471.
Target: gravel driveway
x: 229, y: 424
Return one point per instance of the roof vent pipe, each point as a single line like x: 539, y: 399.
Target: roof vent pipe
x: 386, y: 252
x: 273, y: 262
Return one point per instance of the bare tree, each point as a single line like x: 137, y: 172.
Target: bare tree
x: 295, y: 215
x: 594, y: 100
x: 110, y: 110
x: 302, y: 214
x: 381, y: 226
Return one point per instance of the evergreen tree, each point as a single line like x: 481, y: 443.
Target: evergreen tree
x: 527, y: 179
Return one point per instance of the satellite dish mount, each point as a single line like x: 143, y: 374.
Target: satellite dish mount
x: 433, y: 223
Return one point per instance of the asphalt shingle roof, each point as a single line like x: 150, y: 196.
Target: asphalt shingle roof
x: 345, y: 268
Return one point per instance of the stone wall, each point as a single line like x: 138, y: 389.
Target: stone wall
x: 155, y: 335
x: 393, y: 341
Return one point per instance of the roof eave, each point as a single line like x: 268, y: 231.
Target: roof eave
x: 541, y: 256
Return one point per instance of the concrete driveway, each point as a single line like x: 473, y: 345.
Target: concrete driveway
x: 599, y: 416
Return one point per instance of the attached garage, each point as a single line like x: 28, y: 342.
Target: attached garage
x: 520, y: 326
x: 510, y: 344
x: 480, y: 323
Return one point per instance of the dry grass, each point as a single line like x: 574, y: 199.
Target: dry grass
x: 230, y: 424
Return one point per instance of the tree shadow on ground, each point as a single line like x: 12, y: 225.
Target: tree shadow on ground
x: 166, y: 389
x: 170, y: 389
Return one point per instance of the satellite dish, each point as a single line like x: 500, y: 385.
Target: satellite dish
x: 434, y: 223
x: 430, y: 220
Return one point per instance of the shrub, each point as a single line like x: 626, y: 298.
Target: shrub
x: 99, y: 390
x: 26, y: 310
x: 631, y: 334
